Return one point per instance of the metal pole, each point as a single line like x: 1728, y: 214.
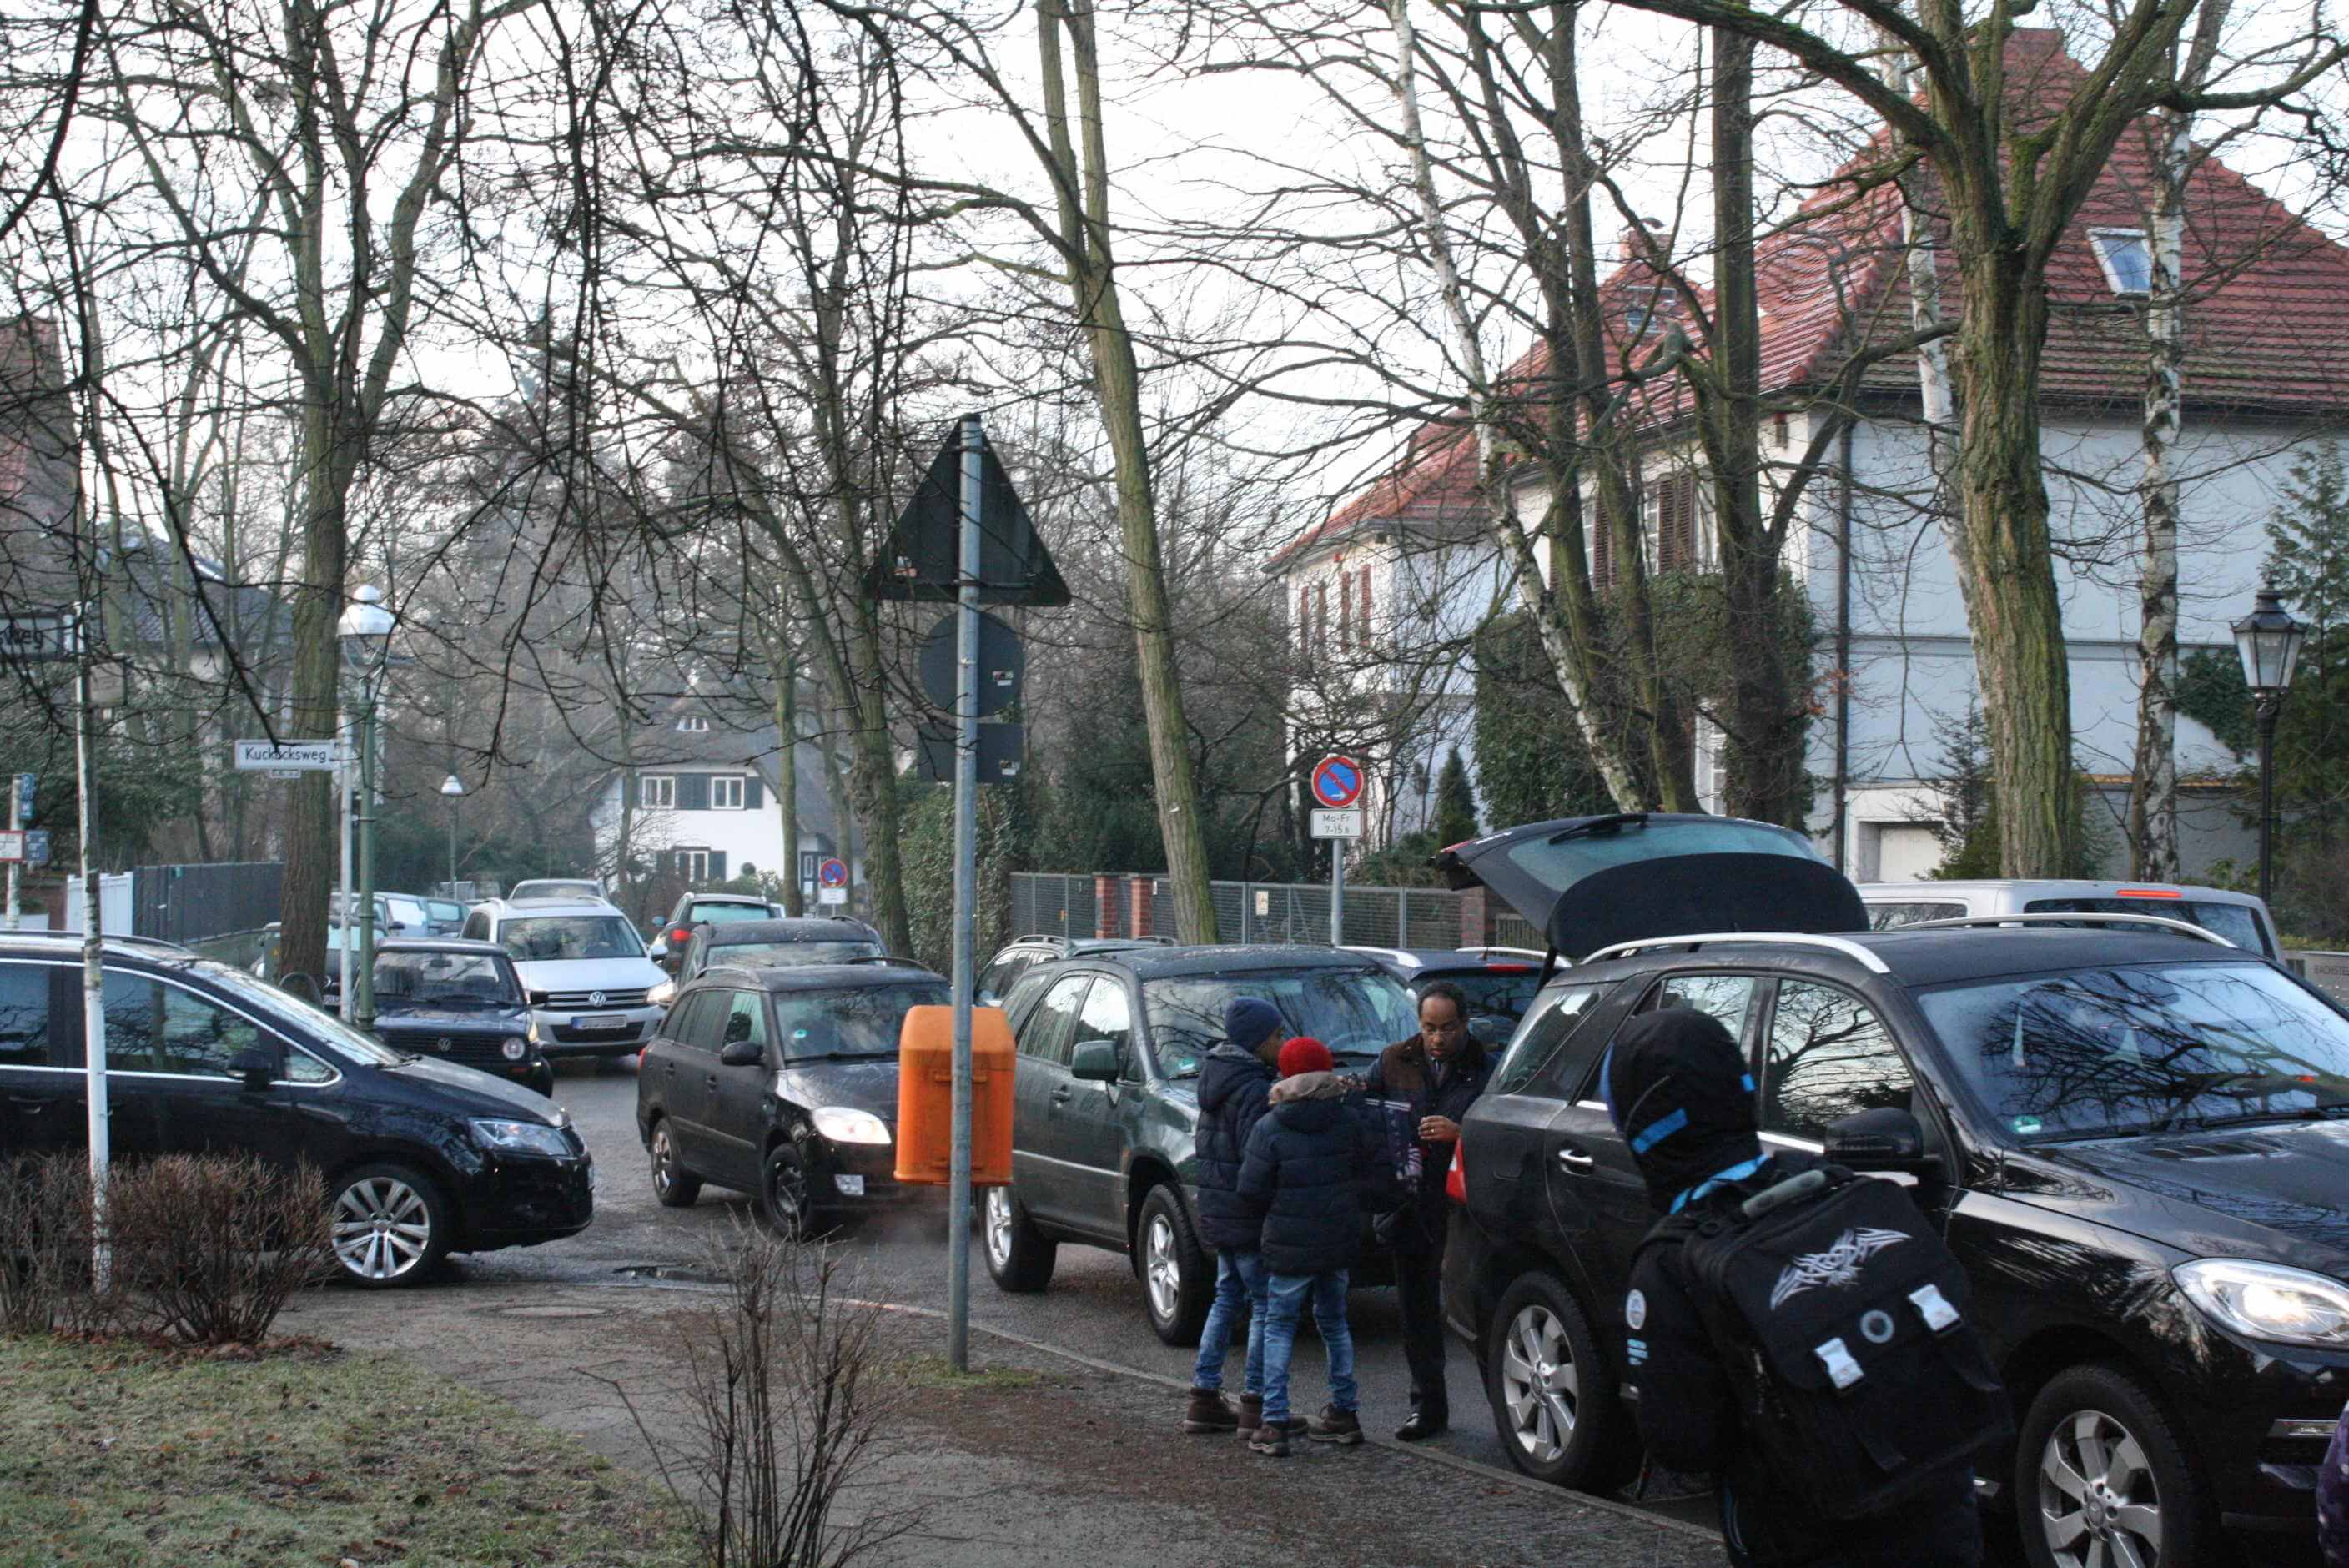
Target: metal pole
x: 453, y: 799
x: 362, y: 984
x: 966, y: 899
x: 1337, y: 892
x: 343, y: 948
x: 15, y: 824
x: 2267, y: 705
x: 93, y: 972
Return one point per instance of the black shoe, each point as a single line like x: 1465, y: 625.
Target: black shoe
x: 1423, y: 1424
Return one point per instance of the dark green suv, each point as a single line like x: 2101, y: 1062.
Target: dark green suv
x: 1106, y: 1101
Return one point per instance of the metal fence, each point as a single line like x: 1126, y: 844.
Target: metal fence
x: 188, y: 903
x: 1062, y: 905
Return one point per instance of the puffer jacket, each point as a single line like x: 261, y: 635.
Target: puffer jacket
x: 1316, y: 1163
x: 1403, y: 1072
x: 1233, y: 1085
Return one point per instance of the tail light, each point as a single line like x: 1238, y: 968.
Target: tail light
x: 679, y: 936
x: 1455, y: 1184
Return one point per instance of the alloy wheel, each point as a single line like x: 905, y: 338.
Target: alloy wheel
x: 1161, y: 1271
x: 664, y: 1161
x: 2098, y: 1501
x: 382, y: 1228
x: 1539, y: 1383
x: 998, y: 1226
x: 786, y: 1194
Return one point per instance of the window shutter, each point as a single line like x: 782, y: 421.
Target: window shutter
x: 1603, y: 544
x: 1366, y: 607
x: 693, y: 791
x: 664, y: 862
x: 1304, y: 619
x: 717, y: 865
x: 628, y: 801
x: 1321, y: 601
x: 754, y: 793
x: 1676, y: 523
x: 1345, y: 609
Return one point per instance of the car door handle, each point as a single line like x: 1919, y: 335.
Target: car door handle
x: 1577, y: 1162
x: 28, y: 1104
x: 1061, y: 1095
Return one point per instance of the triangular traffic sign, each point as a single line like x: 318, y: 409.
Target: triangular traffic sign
x: 924, y: 552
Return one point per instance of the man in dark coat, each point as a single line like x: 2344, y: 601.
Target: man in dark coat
x: 1233, y: 1083
x: 1677, y: 1087
x: 1439, y: 1072
x: 1313, y: 1160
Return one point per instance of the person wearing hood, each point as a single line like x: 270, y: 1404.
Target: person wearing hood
x: 1234, y: 1081
x: 1677, y: 1087
x: 1314, y: 1163
x: 1438, y: 1072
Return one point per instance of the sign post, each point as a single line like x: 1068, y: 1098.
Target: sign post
x: 1337, y: 786
x: 20, y: 816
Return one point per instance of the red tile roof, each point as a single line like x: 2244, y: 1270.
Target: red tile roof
x: 2267, y: 319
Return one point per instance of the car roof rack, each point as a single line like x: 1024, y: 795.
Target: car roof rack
x: 1511, y: 952
x: 2096, y: 917
x: 1842, y: 945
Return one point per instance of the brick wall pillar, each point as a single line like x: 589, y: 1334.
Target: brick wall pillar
x: 1476, y: 915
x: 1108, y: 895
x: 1138, y: 902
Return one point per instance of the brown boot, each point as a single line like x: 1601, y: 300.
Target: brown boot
x: 1335, y: 1426
x: 1209, y: 1412
x: 1251, y: 1412
x: 1272, y: 1441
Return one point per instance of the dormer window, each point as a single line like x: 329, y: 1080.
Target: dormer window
x: 1640, y: 306
x: 2126, y: 258
x: 693, y: 725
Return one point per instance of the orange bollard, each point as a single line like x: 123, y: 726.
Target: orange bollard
x: 925, y: 1096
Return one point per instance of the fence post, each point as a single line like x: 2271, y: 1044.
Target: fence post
x: 1403, y: 917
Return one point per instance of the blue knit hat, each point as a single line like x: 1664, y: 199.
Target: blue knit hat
x: 1249, y: 1021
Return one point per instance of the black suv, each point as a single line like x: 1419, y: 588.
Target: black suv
x: 460, y: 1002
x: 1106, y: 1101
x: 2136, y: 1144
x: 780, y: 943
x: 1023, y: 953
x: 782, y: 1083
x: 423, y: 1158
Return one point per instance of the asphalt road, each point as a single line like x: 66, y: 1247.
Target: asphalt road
x: 1093, y: 1308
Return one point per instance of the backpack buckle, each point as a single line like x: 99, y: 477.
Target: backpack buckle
x: 1841, y: 1367
x: 1934, y: 1307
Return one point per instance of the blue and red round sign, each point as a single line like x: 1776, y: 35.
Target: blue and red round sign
x: 832, y: 872
x: 1337, y: 782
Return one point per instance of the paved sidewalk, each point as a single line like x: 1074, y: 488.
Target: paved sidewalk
x: 1054, y: 1462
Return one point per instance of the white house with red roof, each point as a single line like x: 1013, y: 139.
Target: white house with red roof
x: 2267, y: 375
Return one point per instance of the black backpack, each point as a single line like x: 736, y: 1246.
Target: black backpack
x: 1840, y: 1318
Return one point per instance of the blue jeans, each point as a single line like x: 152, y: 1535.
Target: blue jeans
x: 1285, y: 1297
x: 1239, y: 1277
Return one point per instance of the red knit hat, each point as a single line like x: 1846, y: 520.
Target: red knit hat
x: 1304, y: 1054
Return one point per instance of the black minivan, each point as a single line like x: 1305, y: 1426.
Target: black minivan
x: 2136, y: 1140
x: 422, y: 1157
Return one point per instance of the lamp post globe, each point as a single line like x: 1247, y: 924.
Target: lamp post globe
x: 2268, y: 642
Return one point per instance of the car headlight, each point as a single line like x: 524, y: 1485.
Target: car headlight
x: 2269, y: 1301
x: 842, y: 1124
x: 662, y: 995
x: 523, y: 1137
x: 515, y: 1048
x: 530, y: 1032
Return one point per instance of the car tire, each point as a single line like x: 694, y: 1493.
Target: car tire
x: 1020, y: 1257
x: 1555, y: 1406
x: 391, y: 1226
x: 782, y: 1196
x: 1178, y: 1277
x: 672, y: 1187
x: 2099, y: 1461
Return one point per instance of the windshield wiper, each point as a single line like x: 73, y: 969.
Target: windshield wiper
x: 840, y: 1057
x: 2243, y: 1118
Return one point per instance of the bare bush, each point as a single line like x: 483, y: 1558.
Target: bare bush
x: 45, y: 1247
x: 209, y: 1248
x: 793, y: 1402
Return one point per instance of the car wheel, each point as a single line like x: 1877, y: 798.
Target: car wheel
x: 783, y: 1192
x: 1553, y: 1395
x: 1178, y: 1279
x: 1020, y: 1257
x: 2100, y: 1477
x: 391, y: 1226
x: 671, y: 1184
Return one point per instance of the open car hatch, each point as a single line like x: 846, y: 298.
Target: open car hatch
x: 1591, y: 881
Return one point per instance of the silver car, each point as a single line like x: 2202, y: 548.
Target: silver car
x: 586, y: 970
x: 2239, y: 917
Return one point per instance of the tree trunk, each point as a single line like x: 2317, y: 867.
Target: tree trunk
x: 872, y: 784
x: 1117, y: 388
x: 312, y: 855
x: 787, y: 773
x: 2004, y: 560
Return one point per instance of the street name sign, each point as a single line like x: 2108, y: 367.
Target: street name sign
x: 1328, y: 824
x: 284, y: 755
x: 31, y: 637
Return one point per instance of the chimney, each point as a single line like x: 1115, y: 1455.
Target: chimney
x: 1634, y: 245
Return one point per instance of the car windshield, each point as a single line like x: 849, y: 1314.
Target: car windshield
x: 858, y: 1021
x: 1355, y: 1013
x: 2234, y: 921
x: 443, y: 909
x: 444, y: 979
x: 308, y: 1024
x: 2144, y: 1048
x: 538, y: 938
x: 719, y: 913
x: 790, y: 954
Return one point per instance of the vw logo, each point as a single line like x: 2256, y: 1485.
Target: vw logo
x: 594, y: 998
x: 443, y: 1043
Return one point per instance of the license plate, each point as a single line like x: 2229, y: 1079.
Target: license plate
x: 600, y: 1021
x: 849, y: 1186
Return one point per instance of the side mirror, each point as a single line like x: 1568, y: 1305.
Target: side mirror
x: 1885, y: 1138
x: 742, y: 1054
x: 987, y: 999
x: 1096, y: 1061
x: 255, y: 1066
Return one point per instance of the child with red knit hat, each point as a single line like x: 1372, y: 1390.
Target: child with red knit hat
x: 1314, y: 1160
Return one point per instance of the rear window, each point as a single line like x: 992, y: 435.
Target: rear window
x: 1497, y: 995
x: 1563, y: 862
x: 790, y: 954
x: 719, y: 913
x: 1893, y: 916
x: 2235, y: 921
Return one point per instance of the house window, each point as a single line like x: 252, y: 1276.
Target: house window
x: 1366, y: 607
x: 1345, y: 610
x: 656, y: 792
x: 2126, y: 258
x: 693, y: 865
x: 1710, y: 764
x: 694, y: 725
x: 726, y: 794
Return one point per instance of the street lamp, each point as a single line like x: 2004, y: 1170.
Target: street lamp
x: 2268, y: 642
x: 454, y: 788
x: 365, y: 632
